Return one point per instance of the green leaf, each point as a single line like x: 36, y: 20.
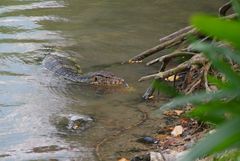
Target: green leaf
x: 219, y: 28
x: 227, y: 136
x: 219, y: 83
x: 235, y: 56
x: 210, y: 112
x: 198, y: 98
x: 212, y: 52
x: 165, y: 88
x: 216, y: 111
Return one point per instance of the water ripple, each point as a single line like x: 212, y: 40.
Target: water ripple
x: 37, y: 5
x: 32, y: 35
x: 30, y: 22
x: 19, y: 47
x: 26, y: 105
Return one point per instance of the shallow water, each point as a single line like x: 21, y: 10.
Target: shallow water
x: 99, y: 35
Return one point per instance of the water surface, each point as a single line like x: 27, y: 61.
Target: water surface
x: 99, y: 35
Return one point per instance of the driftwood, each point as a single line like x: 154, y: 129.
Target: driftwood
x: 176, y: 34
x: 172, y: 40
x: 170, y: 56
x: 167, y: 42
x: 192, y: 80
x: 196, y: 59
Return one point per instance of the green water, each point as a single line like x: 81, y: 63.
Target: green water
x: 98, y: 35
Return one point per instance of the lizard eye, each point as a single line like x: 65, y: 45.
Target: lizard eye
x: 95, y: 79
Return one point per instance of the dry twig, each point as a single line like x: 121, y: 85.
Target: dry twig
x: 196, y: 59
x: 170, y: 56
x: 176, y: 34
x: 166, y: 44
x: 207, y: 67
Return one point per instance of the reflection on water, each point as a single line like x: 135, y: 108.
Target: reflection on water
x: 98, y: 35
x: 31, y: 6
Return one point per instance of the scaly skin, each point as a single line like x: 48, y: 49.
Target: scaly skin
x: 68, y: 69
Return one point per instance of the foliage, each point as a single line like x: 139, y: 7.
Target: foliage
x: 221, y: 107
x: 165, y: 88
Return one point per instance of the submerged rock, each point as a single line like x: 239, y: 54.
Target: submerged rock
x: 79, y: 122
x: 169, y: 155
x: 73, y: 122
x: 155, y: 156
x: 142, y: 158
x: 148, y: 140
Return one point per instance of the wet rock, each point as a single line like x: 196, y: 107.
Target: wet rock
x: 142, y: 158
x: 154, y: 156
x: 148, y: 140
x: 178, y: 130
x: 73, y: 122
x: 4, y: 155
x: 172, y: 155
x: 123, y: 159
x: 169, y: 155
x: 79, y: 122
x: 45, y: 149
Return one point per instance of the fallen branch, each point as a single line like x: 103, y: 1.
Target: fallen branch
x: 207, y: 67
x: 166, y: 44
x: 176, y: 34
x: 195, y: 79
x: 190, y: 82
x: 149, y: 93
x: 196, y: 59
x: 195, y: 84
x: 170, y: 56
x: 176, y: 38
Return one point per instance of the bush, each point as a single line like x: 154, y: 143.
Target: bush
x: 222, y: 107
